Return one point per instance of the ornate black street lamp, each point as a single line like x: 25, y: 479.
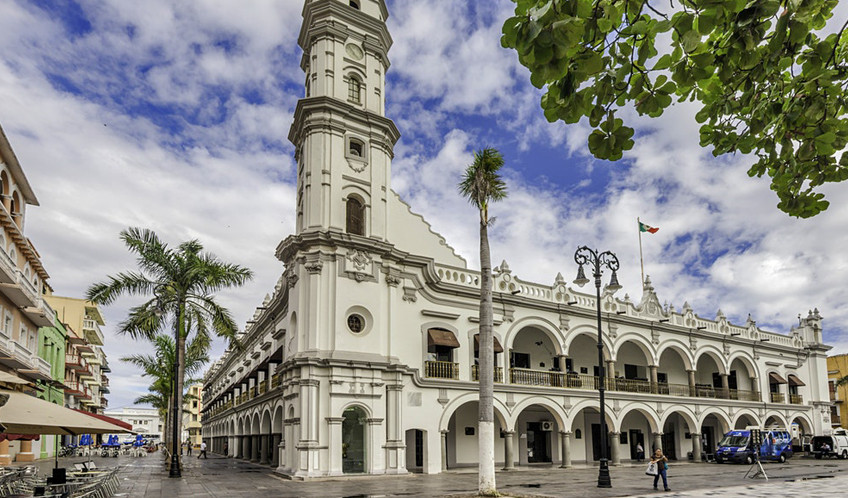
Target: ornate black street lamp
x: 597, y: 261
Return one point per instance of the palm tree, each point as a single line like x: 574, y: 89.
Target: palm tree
x: 159, y: 366
x: 481, y: 185
x: 182, y: 283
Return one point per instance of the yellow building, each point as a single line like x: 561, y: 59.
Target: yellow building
x: 837, y: 367
x: 191, y: 416
x: 22, y: 282
x: 86, y: 382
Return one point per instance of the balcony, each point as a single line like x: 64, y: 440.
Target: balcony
x: 104, y: 381
x: 75, y: 362
x: 21, y: 292
x: 8, y: 268
x: 475, y: 374
x: 796, y: 399
x: 76, y: 388
x: 42, y: 315
x: 777, y: 398
x: 441, y: 370
x: 91, y: 331
x: 276, y: 380
x: 41, y: 369
x: 15, y: 355
x: 835, y: 420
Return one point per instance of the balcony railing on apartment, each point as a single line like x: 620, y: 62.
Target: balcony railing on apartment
x: 796, y: 399
x: 276, y: 380
x: 835, y: 420
x: 777, y: 398
x: 441, y: 369
x: 475, y: 375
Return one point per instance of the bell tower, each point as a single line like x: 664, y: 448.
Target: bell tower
x: 343, y: 141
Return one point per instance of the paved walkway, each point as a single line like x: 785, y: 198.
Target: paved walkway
x: 229, y: 478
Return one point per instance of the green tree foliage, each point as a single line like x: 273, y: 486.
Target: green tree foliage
x: 768, y: 80
x: 180, y: 284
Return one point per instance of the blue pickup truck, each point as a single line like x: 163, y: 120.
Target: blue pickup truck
x: 736, y: 446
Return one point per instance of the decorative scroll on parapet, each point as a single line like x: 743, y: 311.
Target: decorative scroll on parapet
x: 649, y: 306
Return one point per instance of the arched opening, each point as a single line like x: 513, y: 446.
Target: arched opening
x: 356, y: 148
x: 355, y: 216
x: 672, y: 375
x: 534, y: 359
x: 636, y: 437
x: 4, y: 191
x: 745, y: 420
x: 16, y: 210
x: 265, y: 439
x: 740, y: 380
x: 498, y: 350
x: 709, y: 382
x: 461, y: 446
x: 354, y: 89
x: 353, y: 440
x: 776, y: 394
x: 538, y: 434
x: 416, y: 451
x: 774, y: 422
x: 631, y: 369
x: 713, y: 429
x: 440, y: 362
x: 802, y: 434
x: 586, y: 435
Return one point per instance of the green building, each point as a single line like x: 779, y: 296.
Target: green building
x: 51, y: 347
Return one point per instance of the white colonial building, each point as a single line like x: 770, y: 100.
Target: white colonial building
x: 363, y: 358
x: 144, y: 421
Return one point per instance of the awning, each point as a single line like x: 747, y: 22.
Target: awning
x: 25, y: 414
x: 11, y: 378
x: 775, y: 378
x: 106, y: 418
x: 795, y: 381
x: 498, y: 347
x: 440, y: 337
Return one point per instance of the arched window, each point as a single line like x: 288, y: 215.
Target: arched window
x: 354, y: 4
x: 354, y: 90
x: 355, y: 216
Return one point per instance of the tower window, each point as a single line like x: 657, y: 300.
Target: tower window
x: 355, y: 216
x: 354, y: 4
x: 355, y: 148
x: 354, y: 90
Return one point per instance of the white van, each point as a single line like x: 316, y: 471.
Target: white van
x: 835, y: 445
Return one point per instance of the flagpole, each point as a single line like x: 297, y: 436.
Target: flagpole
x: 641, y: 259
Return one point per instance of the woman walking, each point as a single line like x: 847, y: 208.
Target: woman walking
x: 662, y: 468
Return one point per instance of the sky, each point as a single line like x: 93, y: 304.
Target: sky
x: 173, y: 116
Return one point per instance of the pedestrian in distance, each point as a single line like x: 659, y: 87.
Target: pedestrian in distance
x: 640, y: 452
x: 662, y: 468
x: 226, y: 449
x: 188, y: 448
x: 202, y: 451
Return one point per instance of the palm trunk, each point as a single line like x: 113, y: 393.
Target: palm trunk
x: 167, y: 436
x: 180, y: 351
x: 486, y: 423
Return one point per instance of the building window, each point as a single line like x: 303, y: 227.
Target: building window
x: 355, y: 323
x: 354, y: 90
x: 355, y: 216
x: 354, y: 4
x: 356, y: 148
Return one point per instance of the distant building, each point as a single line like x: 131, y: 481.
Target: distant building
x: 86, y: 366
x: 22, y: 309
x: 837, y: 368
x: 145, y: 421
x: 191, y: 415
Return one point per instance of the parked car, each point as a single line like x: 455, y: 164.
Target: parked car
x: 737, y: 446
x: 835, y: 445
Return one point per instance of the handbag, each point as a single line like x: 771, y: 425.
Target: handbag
x: 652, y: 469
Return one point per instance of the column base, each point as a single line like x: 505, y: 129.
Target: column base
x: 25, y: 457
x: 5, y: 459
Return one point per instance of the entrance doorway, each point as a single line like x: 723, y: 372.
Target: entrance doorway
x: 538, y: 443
x: 353, y: 441
x: 636, y: 438
x: 669, y: 446
x: 596, y: 443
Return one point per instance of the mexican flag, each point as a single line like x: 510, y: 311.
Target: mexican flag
x: 647, y: 228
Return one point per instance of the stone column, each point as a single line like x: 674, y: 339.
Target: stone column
x: 755, y: 386
x: 26, y: 454
x: 615, y: 448
x: 565, y: 441
x: 254, y: 448
x: 652, y: 370
x: 444, y: 450
x: 725, y: 385
x: 657, y: 441
x: 237, y: 447
x: 509, y: 453
x: 696, y: 447
x: 245, y: 447
x: 691, y: 382
x: 281, y: 450
x: 610, y: 369
x: 275, y: 452
x: 264, y: 449
x: 334, y: 445
x: 395, y: 445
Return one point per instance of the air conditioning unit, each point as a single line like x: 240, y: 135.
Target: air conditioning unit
x: 547, y: 425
